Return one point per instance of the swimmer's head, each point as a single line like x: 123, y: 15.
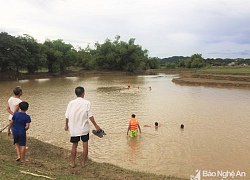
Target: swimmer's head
x: 156, y: 124
x: 133, y: 115
x: 182, y: 126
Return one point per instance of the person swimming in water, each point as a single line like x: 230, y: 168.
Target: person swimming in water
x: 128, y: 85
x: 156, y: 125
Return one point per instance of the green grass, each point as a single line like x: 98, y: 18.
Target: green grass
x: 225, y: 70
x: 48, y: 160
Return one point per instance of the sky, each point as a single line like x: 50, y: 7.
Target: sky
x: 213, y: 28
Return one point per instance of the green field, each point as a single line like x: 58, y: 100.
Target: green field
x: 225, y: 70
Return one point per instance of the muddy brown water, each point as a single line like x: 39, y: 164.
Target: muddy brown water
x: 215, y: 138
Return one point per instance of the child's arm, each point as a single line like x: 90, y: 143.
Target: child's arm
x: 128, y: 129
x: 10, y: 125
x: 27, y: 126
x: 139, y: 128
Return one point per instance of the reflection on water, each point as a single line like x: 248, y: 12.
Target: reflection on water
x: 216, y: 134
x: 133, y: 149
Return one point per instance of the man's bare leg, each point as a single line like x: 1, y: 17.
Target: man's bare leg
x: 84, y: 153
x: 73, y: 154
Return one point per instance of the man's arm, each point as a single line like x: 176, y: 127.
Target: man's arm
x: 8, y: 109
x: 92, y: 119
x: 15, y: 110
x: 66, y: 125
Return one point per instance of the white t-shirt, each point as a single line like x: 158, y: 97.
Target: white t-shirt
x: 13, y: 102
x: 78, y: 112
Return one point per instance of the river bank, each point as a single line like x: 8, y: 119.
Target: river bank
x: 51, y: 162
x: 229, y: 77
x: 192, y: 81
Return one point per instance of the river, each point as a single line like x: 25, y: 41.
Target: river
x: 215, y: 138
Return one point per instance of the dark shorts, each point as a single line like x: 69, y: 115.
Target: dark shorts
x: 20, y: 139
x: 76, y: 139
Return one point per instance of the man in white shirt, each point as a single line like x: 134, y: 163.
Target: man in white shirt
x: 77, y: 114
x: 13, y: 102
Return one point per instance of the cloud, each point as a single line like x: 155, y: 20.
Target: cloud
x: 164, y: 27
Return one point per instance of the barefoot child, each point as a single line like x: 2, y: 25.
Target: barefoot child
x: 20, y: 123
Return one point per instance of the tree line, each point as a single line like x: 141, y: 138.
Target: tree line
x: 197, y: 61
x: 26, y: 54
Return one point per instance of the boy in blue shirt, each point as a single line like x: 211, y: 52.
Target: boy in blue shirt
x: 20, y: 123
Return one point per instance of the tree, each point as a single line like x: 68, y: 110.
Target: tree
x: 12, y: 52
x: 83, y: 58
x: 6, y: 46
x: 24, y: 52
x: 35, y: 58
x: 50, y: 55
x: 59, y: 55
x: 181, y: 63
x: 170, y: 65
x: 195, y: 61
x: 154, y: 63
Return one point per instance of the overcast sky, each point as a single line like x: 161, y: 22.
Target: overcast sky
x: 213, y: 28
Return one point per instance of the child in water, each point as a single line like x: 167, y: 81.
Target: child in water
x: 156, y: 125
x: 133, y: 126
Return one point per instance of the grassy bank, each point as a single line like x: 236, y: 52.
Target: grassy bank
x: 233, y: 77
x: 228, y: 70
x: 50, y: 162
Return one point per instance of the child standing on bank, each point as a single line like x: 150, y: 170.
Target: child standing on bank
x: 133, y: 126
x: 20, y: 123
